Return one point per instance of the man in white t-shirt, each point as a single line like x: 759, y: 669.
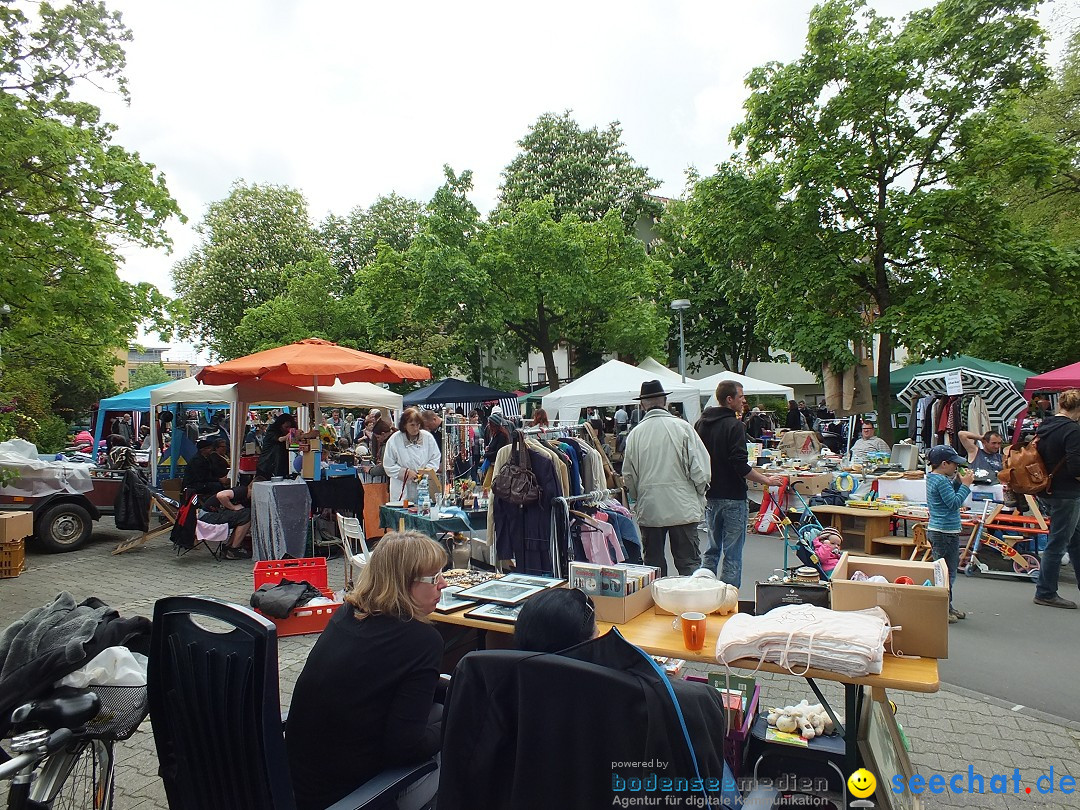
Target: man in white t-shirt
x: 621, y: 419
x: 869, y: 442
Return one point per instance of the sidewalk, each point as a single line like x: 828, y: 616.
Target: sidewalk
x: 949, y: 730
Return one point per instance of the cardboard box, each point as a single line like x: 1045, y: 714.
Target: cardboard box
x: 776, y: 594
x: 922, y: 612
x: 14, y: 526
x: 619, y: 610
x: 173, y: 487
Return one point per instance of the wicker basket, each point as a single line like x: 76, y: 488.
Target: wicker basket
x: 12, y: 559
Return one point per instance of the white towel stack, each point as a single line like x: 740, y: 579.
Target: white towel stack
x: 849, y: 642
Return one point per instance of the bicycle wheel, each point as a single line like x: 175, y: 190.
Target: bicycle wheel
x: 78, y: 778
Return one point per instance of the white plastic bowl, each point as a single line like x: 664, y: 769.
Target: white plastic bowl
x: 697, y: 593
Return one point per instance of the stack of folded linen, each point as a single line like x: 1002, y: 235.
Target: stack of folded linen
x: 798, y: 637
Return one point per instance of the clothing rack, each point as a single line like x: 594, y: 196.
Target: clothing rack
x: 596, y: 496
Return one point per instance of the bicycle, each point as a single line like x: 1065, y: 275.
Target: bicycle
x: 64, y: 747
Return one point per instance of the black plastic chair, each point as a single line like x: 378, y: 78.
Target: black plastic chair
x: 216, y: 715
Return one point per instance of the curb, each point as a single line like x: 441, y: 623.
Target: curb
x: 1027, y: 711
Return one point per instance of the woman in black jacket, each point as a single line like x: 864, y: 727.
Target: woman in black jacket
x: 1059, y: 444
x: 365, y: 700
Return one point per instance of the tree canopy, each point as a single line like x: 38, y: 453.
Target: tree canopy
x: 860, y: 193
x: 69, y: 196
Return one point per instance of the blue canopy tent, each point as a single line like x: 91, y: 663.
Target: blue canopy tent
x: 137, y: 400
x: 453, y: 391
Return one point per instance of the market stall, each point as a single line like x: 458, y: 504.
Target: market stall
x: 707, y: 385
x: 129, y: 401
x: 463, y: 395
x: 614, y: 383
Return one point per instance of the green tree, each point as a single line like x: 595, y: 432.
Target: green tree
x: 858, y: 196
x: 69, y: 196
x: 588, y: 284
x: 722, y: 325
x: 352, y: 241
x: 585, y: 172
x: 148, y: 374
x: 250, y: 242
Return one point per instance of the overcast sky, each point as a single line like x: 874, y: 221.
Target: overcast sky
x: 349, y: 100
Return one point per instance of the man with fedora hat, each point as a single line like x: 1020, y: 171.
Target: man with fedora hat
x: 666, y: 469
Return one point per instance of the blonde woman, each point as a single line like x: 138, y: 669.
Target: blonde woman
x: 365, y: 699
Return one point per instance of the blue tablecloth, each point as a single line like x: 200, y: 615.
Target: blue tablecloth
x: 432, y: 527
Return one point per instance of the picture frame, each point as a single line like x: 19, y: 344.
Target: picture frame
x: 449, y: 602
x: 882, y: 750
x: 496, y: 613
x: 529, y: 579
x: 500, y: 592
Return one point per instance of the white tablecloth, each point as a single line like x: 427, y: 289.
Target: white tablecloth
x: 279, y: 518
x: 915, y: 491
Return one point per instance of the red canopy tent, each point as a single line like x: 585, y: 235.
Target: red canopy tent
x: 1057, y: 380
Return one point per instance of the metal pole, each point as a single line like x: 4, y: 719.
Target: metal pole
x: 682, y: 350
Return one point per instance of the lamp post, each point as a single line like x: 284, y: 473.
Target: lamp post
x: 679, y: 305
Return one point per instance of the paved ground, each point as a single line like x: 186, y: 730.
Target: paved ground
x: 949, y: 731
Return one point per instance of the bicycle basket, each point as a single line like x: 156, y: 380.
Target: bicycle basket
x: 123, y: 708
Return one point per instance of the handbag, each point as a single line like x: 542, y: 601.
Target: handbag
x: 516, y: 482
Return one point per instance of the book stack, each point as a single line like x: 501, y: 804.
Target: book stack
x: 611, y: 580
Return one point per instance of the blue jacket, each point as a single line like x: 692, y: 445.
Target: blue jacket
x: 944, y: 497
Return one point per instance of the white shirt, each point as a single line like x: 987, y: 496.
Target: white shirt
x: 402, y: 455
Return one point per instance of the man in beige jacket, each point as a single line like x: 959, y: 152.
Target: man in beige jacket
x: 666, y: 469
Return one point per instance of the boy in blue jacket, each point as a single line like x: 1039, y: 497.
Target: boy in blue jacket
x: 945, y: 493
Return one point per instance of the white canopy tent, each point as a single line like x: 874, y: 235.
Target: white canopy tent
x: 239, y: 396
x: 615, y: 383
x: 707, y: 386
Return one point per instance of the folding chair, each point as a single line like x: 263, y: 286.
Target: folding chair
x: 352, y: 531
x: 168, y: 508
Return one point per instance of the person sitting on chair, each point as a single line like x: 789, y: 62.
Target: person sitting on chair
x: 203, y: 473
x: 375, y: 670
x: 229, y: 506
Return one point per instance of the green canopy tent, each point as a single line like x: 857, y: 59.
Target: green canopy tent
x: 899, y: 378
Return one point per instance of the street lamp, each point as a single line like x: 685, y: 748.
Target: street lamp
x: 679, y: 305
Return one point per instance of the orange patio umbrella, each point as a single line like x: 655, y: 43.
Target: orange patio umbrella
x: 311, y: 361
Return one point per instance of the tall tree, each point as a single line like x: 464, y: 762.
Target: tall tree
x: 352, y: 240
x: 858, y: 160
x: 250, y: 240
x: 722, y: 325
x: 69, y: 196
x: 585, y: 172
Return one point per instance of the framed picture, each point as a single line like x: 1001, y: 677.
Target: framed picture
x: 449, y: 601
x: 500, y: 592
x: 883, y: 753
x: 496, y: 613
x: 540, y: 582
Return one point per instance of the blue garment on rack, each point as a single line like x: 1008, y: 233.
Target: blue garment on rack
x: 628, y: 535
x: 575, y: 467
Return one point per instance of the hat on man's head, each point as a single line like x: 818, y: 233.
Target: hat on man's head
x: 942, y: 453
x: 497, y: 420
x: 652, y: 388
x: 199, y: 445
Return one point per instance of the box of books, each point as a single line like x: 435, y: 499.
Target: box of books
x: 620, y: 592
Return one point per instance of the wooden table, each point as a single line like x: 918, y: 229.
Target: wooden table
x: 855, y: 524
x: 654, y: 634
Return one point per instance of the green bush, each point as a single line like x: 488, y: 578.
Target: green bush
x: 51, y: 435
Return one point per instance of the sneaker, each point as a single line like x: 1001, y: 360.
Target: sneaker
x: 232, y: 553
x: 1055, y: 601
x: 953, y: 618
x: 957, y: 613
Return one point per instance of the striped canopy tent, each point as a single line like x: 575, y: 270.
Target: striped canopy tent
x: 1001, y: 395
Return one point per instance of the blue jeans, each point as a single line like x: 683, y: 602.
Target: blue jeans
x: 1064, y: 514
x: 727, y: 536
x: 946, y: 547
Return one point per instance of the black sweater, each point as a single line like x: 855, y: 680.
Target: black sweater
x: 725, y: 438
x: 1059, y: 438
x: 361, y: 704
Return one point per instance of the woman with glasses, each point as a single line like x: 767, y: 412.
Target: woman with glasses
x: 408, y: 451
x: 365, y: 699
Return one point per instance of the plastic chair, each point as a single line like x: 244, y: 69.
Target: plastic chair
x: 352, y: 532
x: 214, y: 707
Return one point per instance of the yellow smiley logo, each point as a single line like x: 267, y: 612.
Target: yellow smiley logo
x: 861, y: 783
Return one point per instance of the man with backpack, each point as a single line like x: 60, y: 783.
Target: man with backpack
x: 1059, y: 446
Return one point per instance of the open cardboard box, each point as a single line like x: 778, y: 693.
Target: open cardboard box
x: 16, y: 525
x: 922, y: 612
x: 621, y: 609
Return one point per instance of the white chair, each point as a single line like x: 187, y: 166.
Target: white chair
x: 352, y: 532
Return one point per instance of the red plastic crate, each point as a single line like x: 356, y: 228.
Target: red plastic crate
x: 310, y: 569
x: 306, y: 618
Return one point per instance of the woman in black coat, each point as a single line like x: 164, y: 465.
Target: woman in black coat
x: 274, y: 458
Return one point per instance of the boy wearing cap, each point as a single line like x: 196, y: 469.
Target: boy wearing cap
x: 945, y: 493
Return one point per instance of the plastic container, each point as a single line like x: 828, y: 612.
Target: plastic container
x: 700, y: 592
x: 311, y: 569
x: 12, y: 558
x: 306, y: 619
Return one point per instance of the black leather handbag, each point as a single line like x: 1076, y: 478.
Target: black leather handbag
x: 516, y: 482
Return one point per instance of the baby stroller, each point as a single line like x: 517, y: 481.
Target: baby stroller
x: 799, y: 538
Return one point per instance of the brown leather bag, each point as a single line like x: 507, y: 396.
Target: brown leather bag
x: 1025, y: 472
x: 516, y: 482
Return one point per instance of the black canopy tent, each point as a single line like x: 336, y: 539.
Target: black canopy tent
x: 453, y: 391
